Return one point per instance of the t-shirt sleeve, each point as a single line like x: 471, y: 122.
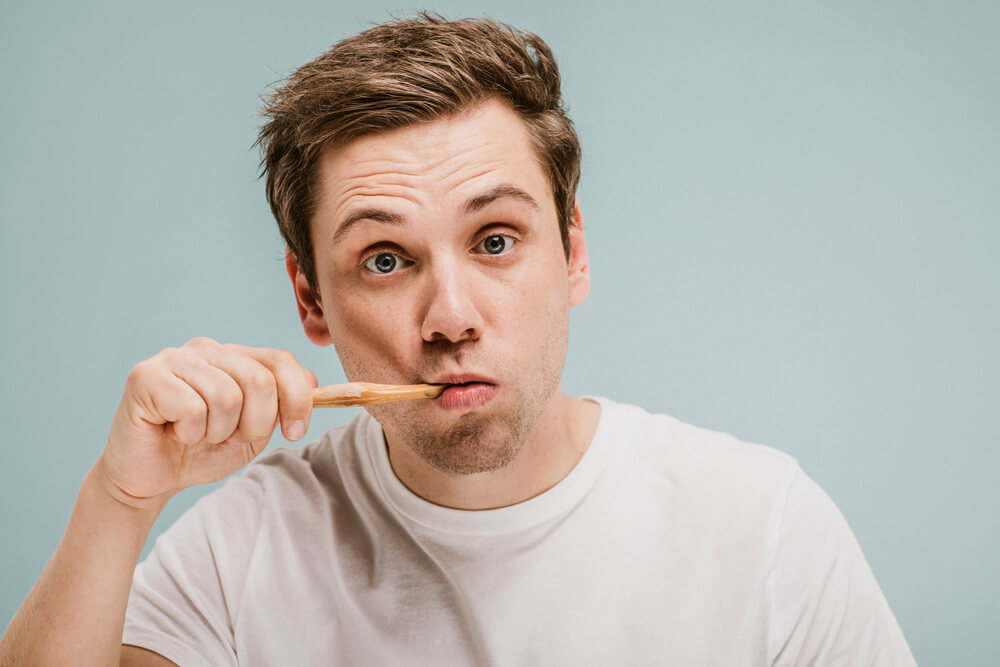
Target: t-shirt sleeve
x: 186, y: 594
x: 828, y: 608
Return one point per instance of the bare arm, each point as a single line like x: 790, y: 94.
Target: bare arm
x: 77, y: 607
x: 187, y: 416
x: 133, y: 656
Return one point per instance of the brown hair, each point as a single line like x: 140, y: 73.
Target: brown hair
x: 398, y: 74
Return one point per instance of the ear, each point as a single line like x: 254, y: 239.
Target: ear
x: 310, y: 309
x: 579, y: 266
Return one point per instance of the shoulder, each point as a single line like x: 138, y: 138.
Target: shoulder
x: 699, y: 460
x: 295, y: 477
x: 285, y: 487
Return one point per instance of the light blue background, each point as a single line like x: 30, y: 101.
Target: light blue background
x: 791, y: 209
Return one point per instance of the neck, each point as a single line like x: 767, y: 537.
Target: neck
x: 553, y: 448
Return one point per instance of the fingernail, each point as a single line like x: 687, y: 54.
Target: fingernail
x: 296, y: 430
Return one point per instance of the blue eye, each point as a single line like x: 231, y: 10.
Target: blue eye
x: 496, y: 244
x: 383, y: 262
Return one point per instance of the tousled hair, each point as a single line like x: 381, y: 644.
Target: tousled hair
x: 398, y: 74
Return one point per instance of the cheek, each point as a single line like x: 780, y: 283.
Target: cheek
x: 538, y: 311
x: 368, y: 334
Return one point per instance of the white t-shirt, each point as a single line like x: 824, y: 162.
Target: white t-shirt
x: 666, y: 544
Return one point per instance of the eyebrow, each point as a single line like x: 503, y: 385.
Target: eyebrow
x: 375, y: 214
x: 502, y: 191
x: 473, y: 205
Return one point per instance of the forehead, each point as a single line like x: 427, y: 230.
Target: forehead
x: 436, y: 164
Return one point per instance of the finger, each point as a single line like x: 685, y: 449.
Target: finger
x: 259, y: 389
x: 161, y: 398
x: 222, y: 395
x: 294, y: 384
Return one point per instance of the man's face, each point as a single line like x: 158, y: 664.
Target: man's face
x: 439, y: 260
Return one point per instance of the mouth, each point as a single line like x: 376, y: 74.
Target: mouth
x: 465, y: 392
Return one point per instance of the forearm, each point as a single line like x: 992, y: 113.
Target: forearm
x: 76, y: 610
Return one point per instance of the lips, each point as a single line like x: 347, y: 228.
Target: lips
x: 465, y: 392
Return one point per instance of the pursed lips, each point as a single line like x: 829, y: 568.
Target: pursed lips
x: 465, y: 391
x: 463, y: 378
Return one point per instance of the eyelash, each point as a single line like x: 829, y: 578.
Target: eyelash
x: 368, y: 262
x: 512, y: 242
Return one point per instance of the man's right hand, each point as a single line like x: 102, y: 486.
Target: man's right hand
x: 198, y: 413
x: 188, y: 415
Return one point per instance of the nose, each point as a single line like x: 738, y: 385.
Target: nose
x: 450, y: 312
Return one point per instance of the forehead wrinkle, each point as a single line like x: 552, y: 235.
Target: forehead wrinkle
x: 442, y: 160
x: 351, y: 199
x: 346, y: 175
x: 394, y: 165
x: 460, y: 178
x: 488, y: 155
x: 357, y: 188
x: 421, y: 170
x: 439, y: 156
x: 414, y: 187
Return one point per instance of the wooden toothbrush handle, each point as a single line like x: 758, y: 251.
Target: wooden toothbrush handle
x: 366, y: 393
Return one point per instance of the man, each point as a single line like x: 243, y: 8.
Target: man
x: 423, y: 174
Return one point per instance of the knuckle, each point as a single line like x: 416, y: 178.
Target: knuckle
x: 161, y: 358
x: 140, y: 372
x: 194, y: 408
x: 261, y: 381
x: 231, y: 399
x: 201, y: 342
x: 227, y: 399
x: 169, y: 356
x: 284, y: 357
x: 145, y: 373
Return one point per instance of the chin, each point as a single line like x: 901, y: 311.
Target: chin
x: 473, y: 445
x: 466, y: 444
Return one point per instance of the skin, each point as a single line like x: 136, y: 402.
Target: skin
x: 449, y: 307
x: 200, y: 412
x: 188, y: 415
